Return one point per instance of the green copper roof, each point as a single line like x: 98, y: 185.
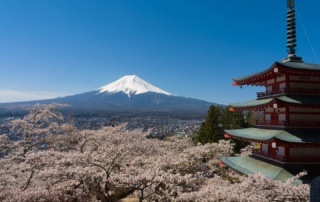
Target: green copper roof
x: 254, y: 133
x: 252, y: 103
x: 287, y: 135
x: 301, y: 99
x: 248, y: 165
x: 293, y: 99
x: 301, y: 65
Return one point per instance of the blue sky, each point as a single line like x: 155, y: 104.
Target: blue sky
x: 191, y: 48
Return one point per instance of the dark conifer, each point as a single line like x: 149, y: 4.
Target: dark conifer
x: 211, y: 129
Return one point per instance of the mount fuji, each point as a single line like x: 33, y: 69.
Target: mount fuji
x: 129, y: 94
x: 131, y: 84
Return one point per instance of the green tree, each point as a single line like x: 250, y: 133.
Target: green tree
x: 211, y: 129
x: 233, y: 120
x: 236, y: 120
x: 251, y: 118
x: 219, y: 119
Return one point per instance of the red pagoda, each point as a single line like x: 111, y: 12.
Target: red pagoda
x: 287, y: 137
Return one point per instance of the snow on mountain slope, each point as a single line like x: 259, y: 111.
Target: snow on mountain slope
x: 131, y: 84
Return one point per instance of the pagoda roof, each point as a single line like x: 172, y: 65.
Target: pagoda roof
x: 286, y: 135
x: 278, y: 68
x: 301, y: 65
x: 248, y: 165
x: 300, y: 100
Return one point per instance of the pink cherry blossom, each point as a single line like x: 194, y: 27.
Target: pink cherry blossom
x: 110, y: 163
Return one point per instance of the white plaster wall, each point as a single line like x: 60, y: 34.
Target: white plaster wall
x: 280, y: 78
x: 270, y: 81
x: 281, y: 110
x: 269, y: 109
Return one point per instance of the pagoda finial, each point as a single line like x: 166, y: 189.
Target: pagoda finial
x: 291, y: 34
x: 290, y: 4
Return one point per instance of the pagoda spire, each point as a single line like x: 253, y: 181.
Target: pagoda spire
x: 291, y: 34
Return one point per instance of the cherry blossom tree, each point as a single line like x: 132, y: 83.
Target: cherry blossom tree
x: 252, y: 188
x: 110, y: 163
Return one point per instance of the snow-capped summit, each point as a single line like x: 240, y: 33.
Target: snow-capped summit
x: 131, y: 84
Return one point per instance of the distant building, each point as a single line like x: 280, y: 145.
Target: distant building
x: 287, y: 138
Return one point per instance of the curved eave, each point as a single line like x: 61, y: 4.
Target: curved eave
x: 297, y: 68
x: 305, y: 101
x: 256, y: 79
x: 253, y: 104
x: 267, y: 135
x: 252, y: 134
x: 249, y: 165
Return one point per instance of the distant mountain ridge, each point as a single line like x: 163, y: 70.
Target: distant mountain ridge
x: 128, y: 94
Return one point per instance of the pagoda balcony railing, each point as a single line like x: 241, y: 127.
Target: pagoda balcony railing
x: 289, y: 91
x: 290, y: 159
x: 302, y: 124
